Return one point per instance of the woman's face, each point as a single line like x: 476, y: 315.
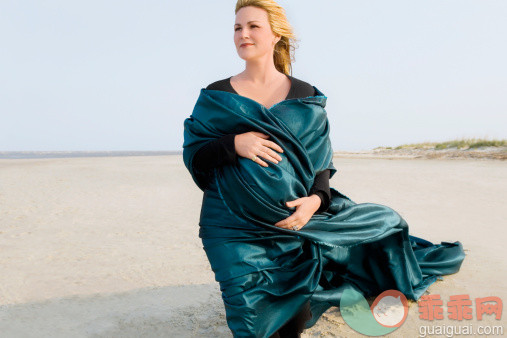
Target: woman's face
x: 252, y: 28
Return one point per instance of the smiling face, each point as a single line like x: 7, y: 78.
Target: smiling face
x: 253, y: 36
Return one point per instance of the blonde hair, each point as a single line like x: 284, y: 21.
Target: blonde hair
x: 283, y: 54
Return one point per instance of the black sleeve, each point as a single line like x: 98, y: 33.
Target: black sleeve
x: 321, y: 185
x: 321, y: 188
x: 216, y: 153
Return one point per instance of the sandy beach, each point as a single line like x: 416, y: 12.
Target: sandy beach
x: 109, y: 246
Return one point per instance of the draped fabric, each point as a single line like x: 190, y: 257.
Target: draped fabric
x: 266, y: 273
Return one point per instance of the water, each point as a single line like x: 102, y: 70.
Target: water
x: 64, y: 154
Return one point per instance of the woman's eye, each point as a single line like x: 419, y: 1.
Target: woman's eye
x: 250, y: 26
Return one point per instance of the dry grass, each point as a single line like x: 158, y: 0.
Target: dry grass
x: 462, y: 144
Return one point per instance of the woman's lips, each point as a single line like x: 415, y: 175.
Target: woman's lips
x: 246, y: 45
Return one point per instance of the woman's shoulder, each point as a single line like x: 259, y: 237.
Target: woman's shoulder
x: 302, y: 88
x: 219, y: 85
x: 299, y: 87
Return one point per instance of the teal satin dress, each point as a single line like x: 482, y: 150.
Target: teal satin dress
x: 266, y: 273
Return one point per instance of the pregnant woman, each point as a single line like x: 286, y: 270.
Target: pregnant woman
x: 282, y: 244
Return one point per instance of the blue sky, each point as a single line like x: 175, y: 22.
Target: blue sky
x: 124, y: 75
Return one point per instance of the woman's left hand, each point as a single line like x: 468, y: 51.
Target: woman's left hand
x: 305, y: 208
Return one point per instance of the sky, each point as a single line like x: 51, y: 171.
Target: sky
x: 124, y: 75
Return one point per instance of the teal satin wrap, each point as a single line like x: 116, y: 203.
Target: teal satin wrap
x: 266, y: 273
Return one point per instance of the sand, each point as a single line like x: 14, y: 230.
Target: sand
x: 109, y: 246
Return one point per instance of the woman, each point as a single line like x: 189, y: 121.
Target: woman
x: 283, y: 245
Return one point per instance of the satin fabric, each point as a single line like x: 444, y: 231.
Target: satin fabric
x: 266, y: 273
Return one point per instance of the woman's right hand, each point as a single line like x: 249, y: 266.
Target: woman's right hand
x: 254, y: 143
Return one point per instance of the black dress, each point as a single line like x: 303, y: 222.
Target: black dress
x: 222, y: 151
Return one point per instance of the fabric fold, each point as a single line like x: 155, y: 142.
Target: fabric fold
x: 265, y: 272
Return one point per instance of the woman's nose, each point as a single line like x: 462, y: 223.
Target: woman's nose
x: 244, y: 34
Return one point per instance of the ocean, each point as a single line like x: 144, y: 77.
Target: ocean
x: 61, y: 154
